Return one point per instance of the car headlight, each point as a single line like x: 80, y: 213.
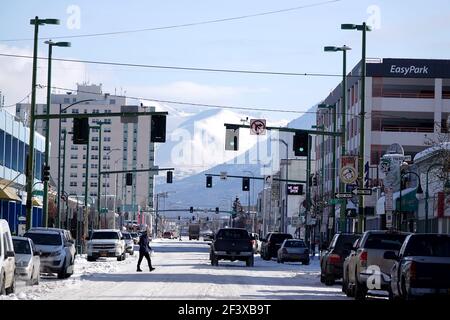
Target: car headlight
x: 55, y: 253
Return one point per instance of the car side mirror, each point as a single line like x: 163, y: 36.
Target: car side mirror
x: 122, y: 238
x: 390, y: 255
x: 10, y: 254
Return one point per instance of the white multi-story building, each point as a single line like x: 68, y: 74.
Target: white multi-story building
x: 407, y: 102
x: 124, y: 146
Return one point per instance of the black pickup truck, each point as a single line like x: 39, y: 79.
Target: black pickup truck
x: 231, y: 244
x: 422, y: 267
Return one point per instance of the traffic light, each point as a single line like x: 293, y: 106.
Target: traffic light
x: 207, y: 218
x: 129, y: 179
x: 193, y: 218
x: 179, y: 218
x: 191, y: 209
x: 158, y: 128
x: 169, y: 176
x: 232, y: 138
x: 245, y: 184
x: 80, y: 130
x: 45, y: 173
x: 217, y: 210
x: 209, y: 182
x: 301, y: 144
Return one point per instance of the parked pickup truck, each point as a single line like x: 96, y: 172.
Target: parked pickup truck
x: 421, y: 267
x: 106, y: 243
x: 231, y: 244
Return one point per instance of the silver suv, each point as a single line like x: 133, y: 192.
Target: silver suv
x: 366, y: 268
x: 57, y: 250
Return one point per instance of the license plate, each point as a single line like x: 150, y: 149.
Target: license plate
x: 103, y: 254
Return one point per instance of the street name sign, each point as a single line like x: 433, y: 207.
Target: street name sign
x: 362, y: 192
x: 343, y: 195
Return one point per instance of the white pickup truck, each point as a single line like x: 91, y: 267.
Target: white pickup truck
x: 106, y: 243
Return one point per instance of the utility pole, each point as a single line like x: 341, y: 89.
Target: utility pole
x: 86, y: 181
x: 63, y: 176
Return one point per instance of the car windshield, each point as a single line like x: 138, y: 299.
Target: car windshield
x: 105, y: 235
x: 45, y: 239
x: 232, y: 234
x: 279, y: 237
x: 21, y: 246
x: 295, y: 244
x: 385, y: 241
x: 429, y: 246
x: 126, y: 236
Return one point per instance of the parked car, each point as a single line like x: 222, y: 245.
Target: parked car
x: 135, y: 237
x: 368, y: 258
x: 293, y: 250
x: 270, y: 245
x: 106, y: 243
x: 231, y: 244
x: 57, y: 250
x: 129, y: 243
x: 332, y: 258
x: 255, y: 242
x: 28, y: 261
x: 7, y: 260
x: 422, y: 267
x: 208, y: 236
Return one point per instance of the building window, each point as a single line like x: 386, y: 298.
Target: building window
x: 107, y: 129
x: 74, y: 156
x: 93, y: 184
x: 94, y: 139
x: 75, y: 111
x: 73, y: 184
x: 94, y: 175
x: 94, y: 166
x: 66, y: 100
x: 105, y: 185
x: 107, y: 139
x: 94, y: 148
x: 106, y: 158
x: 107, y: 121
x: 106, y: 148
x: 84, y: 165
x: 94, y: 157
x: 112, y: 101
x: 73, y: 147
x: 74, y: 100
x: 73, y: 175
x: 93, y: 194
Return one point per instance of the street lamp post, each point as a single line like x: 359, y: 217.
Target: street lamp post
x: 364, y: 28
x: 419, y: 191
x: 106, y: 201
x: 333, y: 181
x: 427, y: 194
x: 253, y: 186
x: 61, y: 110
x: 30, y: 163
x: 51, y: 44
x: 322, y: 158
x: 283, y: 224
x: 344, y: 48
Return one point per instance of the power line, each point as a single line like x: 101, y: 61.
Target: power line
x: 275, y: 73
x: 192, y: 24
x: 284, y: 110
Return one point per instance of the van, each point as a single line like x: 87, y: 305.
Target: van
x: 7, y: 260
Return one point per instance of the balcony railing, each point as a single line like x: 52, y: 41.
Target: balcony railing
x: 406, y: 129
x: 419, y: 95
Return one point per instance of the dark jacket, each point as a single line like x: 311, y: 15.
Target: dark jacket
x: 144, y: 243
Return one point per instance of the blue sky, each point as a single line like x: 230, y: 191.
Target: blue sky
x: 290, y: 42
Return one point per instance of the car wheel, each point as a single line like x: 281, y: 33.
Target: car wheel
x: 281, y: 261
x: 250, y: 262
x: 360, y: 290
x: 329, y: 280
x: 2, y: 284
x: 12, y: 288
x: 305, y: 262
x: 63, y: 273
x: 214, y: 261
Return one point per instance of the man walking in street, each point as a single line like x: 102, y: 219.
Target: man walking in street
x: 144, y: 251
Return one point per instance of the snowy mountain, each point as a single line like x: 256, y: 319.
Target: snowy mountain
x: 196, y: 147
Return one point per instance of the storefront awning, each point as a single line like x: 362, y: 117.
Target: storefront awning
x: 409, y: 201
x: 8, y: 194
